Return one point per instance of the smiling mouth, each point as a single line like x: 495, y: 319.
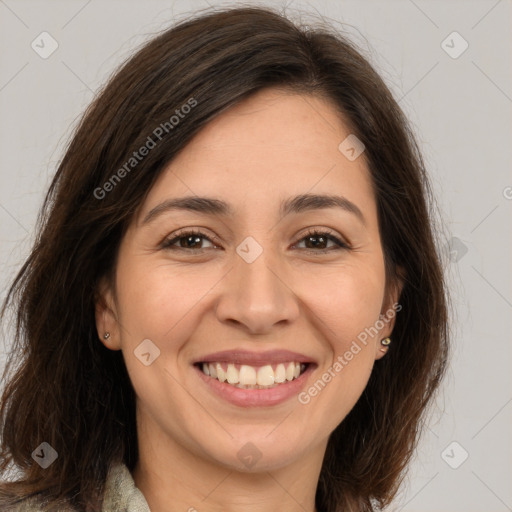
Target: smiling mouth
x: 253, y: 377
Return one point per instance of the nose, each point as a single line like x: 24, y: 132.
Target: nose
x: 257, y: 296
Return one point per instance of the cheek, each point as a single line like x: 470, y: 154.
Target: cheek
x: 345, y: 311
x: 347, y: 303
x: 157, y: 300
x: 161, y: 303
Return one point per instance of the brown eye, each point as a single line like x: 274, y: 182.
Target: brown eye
x: 316, y: 241
x: 189, y: 240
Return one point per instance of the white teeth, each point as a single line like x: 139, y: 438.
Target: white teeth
x: 280, y: 375
x: 253, y: 377
x: 221, y: 374
x: 247, y: 375
x: 290, y: 371
x: 233, y: 374
x: 265, y: 376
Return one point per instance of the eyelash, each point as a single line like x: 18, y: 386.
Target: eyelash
x: 315, y: 233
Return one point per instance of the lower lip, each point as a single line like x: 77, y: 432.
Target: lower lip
x: 256, y: 397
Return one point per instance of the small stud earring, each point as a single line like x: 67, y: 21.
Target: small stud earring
x: 106, y: 336
x: 385, y: 345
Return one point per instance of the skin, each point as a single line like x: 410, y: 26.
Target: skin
x: 273, y: 145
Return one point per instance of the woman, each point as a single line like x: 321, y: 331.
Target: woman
x: 235, y: 299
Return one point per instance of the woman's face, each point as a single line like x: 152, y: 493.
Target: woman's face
x: 252, y: 292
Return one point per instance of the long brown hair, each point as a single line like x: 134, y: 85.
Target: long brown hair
x: 65, y: 388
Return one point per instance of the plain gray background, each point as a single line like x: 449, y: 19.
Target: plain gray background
x: 460, y: 105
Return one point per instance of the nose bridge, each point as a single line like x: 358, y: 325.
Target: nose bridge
x: 255, y: 292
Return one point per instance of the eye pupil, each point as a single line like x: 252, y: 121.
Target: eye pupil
x: 192, y: 239
x: 317, y: 237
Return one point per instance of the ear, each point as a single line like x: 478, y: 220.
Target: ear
x: 106, y: 316
x: 390, y: 308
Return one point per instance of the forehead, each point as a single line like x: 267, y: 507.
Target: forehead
x: 266, y: 148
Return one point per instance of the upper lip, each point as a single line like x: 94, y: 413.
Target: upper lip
x: 254, y: 358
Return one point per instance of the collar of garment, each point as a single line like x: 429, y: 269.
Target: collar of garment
x: 121, y: 494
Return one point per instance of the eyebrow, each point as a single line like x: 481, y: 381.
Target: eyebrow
x: 297, y: 204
